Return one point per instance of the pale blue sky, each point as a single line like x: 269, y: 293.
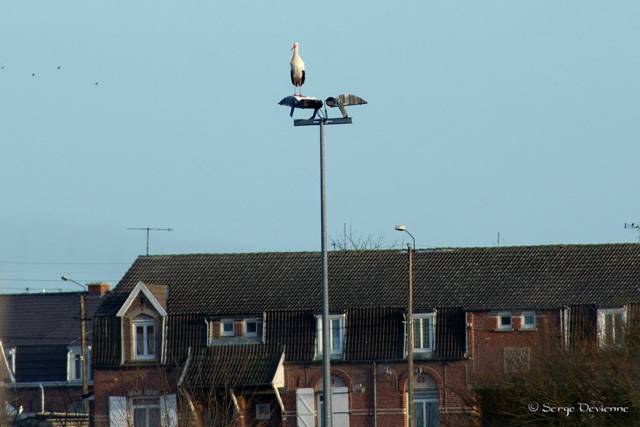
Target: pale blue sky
x: 518, y: 117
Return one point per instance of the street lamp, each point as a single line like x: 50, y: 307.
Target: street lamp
x: 340, y: 101
x: 83, y: 335
x: 403, y: 228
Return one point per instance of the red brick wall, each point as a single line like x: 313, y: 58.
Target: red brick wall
x: 128, y: 381
x: 487, y: 344
x: 391, y: 390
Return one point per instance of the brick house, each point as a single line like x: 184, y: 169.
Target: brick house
x: 233, y: 339
x: 40, y: 349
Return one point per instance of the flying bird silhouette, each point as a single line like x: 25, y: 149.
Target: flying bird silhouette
x: 297, y: 69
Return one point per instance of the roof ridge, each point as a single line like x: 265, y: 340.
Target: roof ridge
x: 360, y: 251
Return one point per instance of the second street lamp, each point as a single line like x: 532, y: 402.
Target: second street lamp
x: 411, y: 249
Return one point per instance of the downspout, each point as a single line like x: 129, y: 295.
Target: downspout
x: 41, y: 398
x: 375, y: 396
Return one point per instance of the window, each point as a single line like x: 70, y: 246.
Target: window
x: 144, y: 338
x: 146, y: 412
x: 227, y: 328
x: 74, y: 363
x: 528, y: 320
x: 253, y: 327
x: 263, y: 411
x: 505, y: 321
x: 336, y: 332
x: 611, y: 326
x: 423, y: 332
x: 426, y: 410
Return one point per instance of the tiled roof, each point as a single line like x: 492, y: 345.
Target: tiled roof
x: 471, y: 278
x: 36, y: 363
x: 43, y: 319
x: 234, y: 366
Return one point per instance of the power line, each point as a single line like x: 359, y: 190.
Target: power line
x: 63, y: 263
x: 50, y: 280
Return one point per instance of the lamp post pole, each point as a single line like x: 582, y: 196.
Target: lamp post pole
x: 326, y: 335
x: 83, y: 340
x: 410, y: 250
x: 410, y: 347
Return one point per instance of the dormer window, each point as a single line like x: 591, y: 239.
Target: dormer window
x: 144, y: 338
x: 423, y: 332
x: 227, y: 328
x: 253, y: 327
x: 336, y: 333
x: 74, y: 364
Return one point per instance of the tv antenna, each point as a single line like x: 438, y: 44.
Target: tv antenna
x: 148, y: 229
x: 633, y: 226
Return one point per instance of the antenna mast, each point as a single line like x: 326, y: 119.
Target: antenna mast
x: 148, y: 229
x: 633, y: 226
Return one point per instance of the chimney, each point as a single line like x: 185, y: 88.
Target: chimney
x: 99, y: 289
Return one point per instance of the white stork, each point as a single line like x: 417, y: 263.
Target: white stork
x: 297, y: 69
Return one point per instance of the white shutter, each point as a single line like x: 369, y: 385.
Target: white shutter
x: 340, y: 406
x: 305, y: 413
x: 169, y: 410
x: 118, y: 411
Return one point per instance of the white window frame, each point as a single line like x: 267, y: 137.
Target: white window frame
x: 602, y: 312
x: 432, y: 326
x: 502, y: 327
x: 334, y: 352
x: 145, y: 323
x: 146, y: 407
x: 255, y: 320
x: 261, y: 412
x: 72, y: 375
x: 223, y: 333
x: 523, y: 324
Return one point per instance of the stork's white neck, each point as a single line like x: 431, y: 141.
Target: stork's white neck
x: 295, y: 52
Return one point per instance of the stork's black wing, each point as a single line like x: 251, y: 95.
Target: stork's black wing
x: 301, y: 81
x: 292, y: 82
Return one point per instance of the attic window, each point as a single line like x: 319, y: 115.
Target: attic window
x: 505, y: 321
x: 144, y: 338
x: 227, y: 328
x: 253, y: 327
x: 528, y: 320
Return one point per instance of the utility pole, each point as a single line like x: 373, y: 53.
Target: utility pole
x: 83, y: 338
x: 410, y: 250
x: 148, y: 229
x: 83, y: 341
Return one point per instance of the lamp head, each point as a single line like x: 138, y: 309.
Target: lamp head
x: 401, y: 227
x: 65, y: 278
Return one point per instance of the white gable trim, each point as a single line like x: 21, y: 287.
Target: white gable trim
x: 141, y: 287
